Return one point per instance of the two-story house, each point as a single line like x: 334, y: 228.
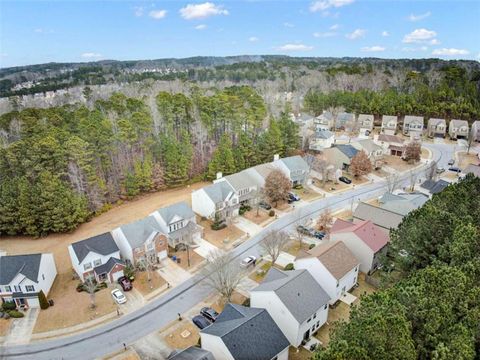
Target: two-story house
x: 244, y: 186
x: 295, y: 301
x: 22, y: 277
x: 141, y: 242
x: 216, y: 202
x: 97, y: 258
x: 260, y: 172
x: 333, y: 265
x: 475, y: 131
x: 345, y: 121
x: 241, y: 333
x: 294, y: 167
x: 322, y: 139
x: 179, y: 224
x: 365, y: 240
x: 413, y: 126
x: 391, y: 144
x: 374, y: 151
x: 324, y: 121
x: 340, y: 156
x: 436, y: 128
x: 458, y: 129
x: 389, y: 124
x: 365, y: 123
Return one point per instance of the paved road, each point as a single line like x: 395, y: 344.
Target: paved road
x: 153, y: 316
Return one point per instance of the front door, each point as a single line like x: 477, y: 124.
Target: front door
x: 306, y: 336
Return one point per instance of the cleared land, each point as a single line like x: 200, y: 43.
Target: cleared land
x: 190, y: 336
x: 307, y: 194
x: 397, y: 163
x: 467, y: 159
x: 261, y: 218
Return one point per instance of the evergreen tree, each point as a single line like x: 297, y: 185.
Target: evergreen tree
x: 270, y: 142
x: 222, y: 159
x: 42, y: 299
x: 289, y: 133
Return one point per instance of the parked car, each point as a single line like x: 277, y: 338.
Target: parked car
x: 319, y: 234
x: 306, y: 230
x: 451, y: 162
x: 209, y: 313
x: 248, y: 261
x: 118, y: 297
x: 454, y: 169
x: 201, y: 322
x: 440, y: 170
x: 264, y: 205
x: 345, y: 180
x: 293, y: 197
x: 125, y: 283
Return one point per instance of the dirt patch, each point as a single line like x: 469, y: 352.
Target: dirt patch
x: 425, y: 153
x: 450, y: 175
x: 380, y: 173
x: 71, y: 307
x: 144, y: 286
x: 184, y: 258
x: 307, y: 194
x: 190, y: 336
x: 261, y: 218
x: 294, y: 248
x: 465, y: 159
x: 359, y: 180
x: 220, y: 238
x: 122, y: 214
x: 397, y: 163
x: 4, y: 326
x: 130, y: 354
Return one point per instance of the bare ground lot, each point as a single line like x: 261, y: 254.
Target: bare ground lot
x: 183, y: 256
x: 467, y: 159
x: 175, y: 340
x: 307, y: 194
x: 344, y: 214
x: 121, y: 214
x: 145, y: 287
x: 4, y: 326
x: 333, y: 187
x: 217, y: 237
x: 397, y: 163
x: 71, y: 307
x: 294, y: 247
x: 262, y: 216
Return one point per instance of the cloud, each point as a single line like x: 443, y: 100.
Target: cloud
x: 289, y: 25
x: 91, y: 55
x: 157, y: 14
x: 138, y: 11
x: 419, y: 36
x: 43, y: 31
x: 295, y: 47
x: 419, y: 17
x: 356, y: 34
x: 201, y: 27
x: 202, y: 11
x: 324, y: 34
x: 375, y: 48
x: 323, y: 5
x: 334, y: 27
x: 415, y: 49
x: 385, y: 33
x: 450, y: 52
x: 253, y: 39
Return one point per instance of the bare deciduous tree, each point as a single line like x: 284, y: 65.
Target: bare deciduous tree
x: 392, y: 182
x: 325, y: 220
x: 431, y: 171
x: 413, y: 152
x: 277, y: 186
x: 90, y: 287
x: 360, y: 164
x: 222, y: 273
x: 274, y: 243
x: 257, y: 198
x: 413, y: 179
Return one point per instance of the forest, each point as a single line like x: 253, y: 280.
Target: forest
x: 429, y: 308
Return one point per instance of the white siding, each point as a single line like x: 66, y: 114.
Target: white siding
x: 46, y: 273
x: 216, y: 346
x: 202, y: 204
x: 90, y: 258
x: 123, y: 244
x: 321, y: 318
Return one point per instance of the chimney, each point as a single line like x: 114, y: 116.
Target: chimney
x: 276, y: 157
x: 219, y: 175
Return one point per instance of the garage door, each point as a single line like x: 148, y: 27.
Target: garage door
x: 116, y: 275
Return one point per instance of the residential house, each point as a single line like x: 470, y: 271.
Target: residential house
x: 179, y: 224
x: 475, y: 131
x: 391, y: 145
x: 402, y: 203
x: 216, y: 202
x: 345, y: 121
x: 365, y: 240
x: 340, y: 156
x: 97, y: 258
x: 434, y: 187
x: 191, y: 353
x: 319, y: 167
x: 260, y: 172
x: 333, y: 265
x: 374, y: 151
x: 301, y: 118
x: 365, y: 123
x: 413, y: 126
x: 325, y: 121
x: 244, y: 185
x: 436, y: 127
x: 296, y: 302
x: 386, y: 219
x: 244, y: 333
x: 389, y: 125
x: 322, y: 139
x: 22, y: 277
x: 294, y: 167
x: 458, y: 129
x: 472, y: 169
x: 141, y: 241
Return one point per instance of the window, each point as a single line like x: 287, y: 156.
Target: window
x: 150, y: 246
x: 325, y: 307
x: 43, y: 276
x: 309, y: 320
x: 29, y: 288
x: 87, y: 266
x: 17, y: 288
x: 318, y: 324
x: 315, y: 315
x: 97, y: 262
x: 8, y: 289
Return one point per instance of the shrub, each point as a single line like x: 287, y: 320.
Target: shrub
x: 298, y: 186
x: 246, y: 302
x: 9, y: 305
x: 289, y: 266
x: 80, y: 287
x: 218, y: 225
x: 271, y: 213
x: 311, y: 246
x: 129, y: 272
x: 42, y: 299
x: 15, y: 314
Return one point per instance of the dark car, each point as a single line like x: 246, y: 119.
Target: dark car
x: 293, y: 197
x: 454, y: 169
x: 319, y: 234
x: 306, y: 230
x: 125, y: 283
x: 264, y: 205
x: 201, y: 322
x: 451, y: 162
x: 345, y: 180
x: 209, y: 313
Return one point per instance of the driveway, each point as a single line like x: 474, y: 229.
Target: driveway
x: 21, y: 329
x: 204, y: 248
x: 173, y: 273
x: 135, y: 301
x: 247, y: 226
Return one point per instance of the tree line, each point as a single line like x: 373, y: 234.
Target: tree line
x: 62, y: 165
x: 430, y: 306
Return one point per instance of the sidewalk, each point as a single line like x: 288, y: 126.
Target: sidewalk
x: 173, y: 273
x: 21, y: 329
x: 204, y: 248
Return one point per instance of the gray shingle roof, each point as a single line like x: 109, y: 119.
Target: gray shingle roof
x: 12, y: 265
x: 107, y: 267
x: 102, y: 244
x: 363, y: 117
x: 381, y: 217
x: 240, y: 180
x: 412, y: 118
x: 301, y: 294
x: 139, y: 231
x: 368, y: 145
x: 219, y: 191
x: 458, y: 123
x: 436, y: 121
x: 323, y: 134
x: 191, y: 353
x: 248, y: 333
x: 402, y: 203
x: 181, y: 209
x: 388, y: 118
x: 294, y: 163
x: 434, y: 187
x: 348, y: 150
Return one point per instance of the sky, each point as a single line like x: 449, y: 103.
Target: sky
x: 41, y: 31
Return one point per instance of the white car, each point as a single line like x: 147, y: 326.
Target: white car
x: 118, y: 297
x: 249, y: 260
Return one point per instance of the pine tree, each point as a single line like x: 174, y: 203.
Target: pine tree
x: 289, y: 133
x: 42, y: 299
x: 222, y: 160
x: 270, y: 142
x: 244, y: 153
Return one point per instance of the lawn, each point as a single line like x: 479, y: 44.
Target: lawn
x: 293, y: 248
x: 307, y: 194
x: 182, y: 336
x: 237, y: 298
x: 4, y: 326
x: 71, y: 307
x: 145, y: 287
x: 397, y: 163
x: 195, y: 259
x: 380, y: 172
x: 299, y: 354
x: 260, y: 219
x: 217, y: 237
x: 259, y: 273
x: 344, y: 215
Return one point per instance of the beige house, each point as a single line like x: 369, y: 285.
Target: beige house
x: 340, y: 156
x: 389, y: 124
x: 365, y: 123
x: 391, y: 144
x: 413, y: 126
x: 458, y: 129
x: 324, y: 121
x: 475, y: 131
x: 374, y: 151
x: 436, y: 127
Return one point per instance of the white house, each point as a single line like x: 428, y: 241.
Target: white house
x: 322, y: 139
x: 333, y: 265
x: 364, y: 239
x: 389, y: 124
x: 294, y: 167
x: 216, y: 200
x: 178, y: 222
x: 243, y: 333
x: 458, y: 129
x: 22, y: 277
x: 260, y: 172
x: 97, y: 257
x: 244, y: 185
x: 365, y: 123
x: 295, y: 301
x: 413, y: 126
x: 324, y: 121
x: 475, y: 131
